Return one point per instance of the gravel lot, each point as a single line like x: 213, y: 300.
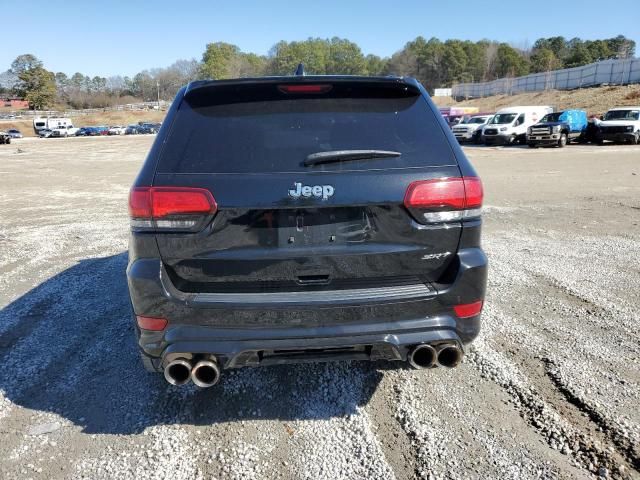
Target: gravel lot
x: 550, y: 390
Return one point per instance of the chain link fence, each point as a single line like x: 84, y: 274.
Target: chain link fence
x: 612, y: 72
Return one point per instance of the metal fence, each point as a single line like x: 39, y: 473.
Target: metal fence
x: 612, y: 72
x: 162, y: 105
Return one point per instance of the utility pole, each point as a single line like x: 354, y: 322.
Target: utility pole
x: 158, y: 89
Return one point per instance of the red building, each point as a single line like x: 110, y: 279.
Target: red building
x: 15, y: 103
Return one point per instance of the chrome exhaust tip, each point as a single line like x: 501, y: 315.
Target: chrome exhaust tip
x: 423, y: 356
x: 178, y: 372
x: 450, y: 356
x: 205, y: 373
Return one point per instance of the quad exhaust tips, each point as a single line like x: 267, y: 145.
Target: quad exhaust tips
x: 205, y: 373
x: 426, y: 356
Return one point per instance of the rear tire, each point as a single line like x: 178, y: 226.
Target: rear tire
x: 563, y: 140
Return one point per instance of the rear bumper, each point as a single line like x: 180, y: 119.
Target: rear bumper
x: 244, y: 334
x: 239, y: 348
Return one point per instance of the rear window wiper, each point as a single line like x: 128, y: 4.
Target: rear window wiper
x: 347, y: 155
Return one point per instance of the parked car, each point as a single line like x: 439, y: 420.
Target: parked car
x: 45, y: 132
x: 592, y: 130
x: 102, y: 130
x: 117, y: 130
x: 558, y: 129
x: 620, y: 125
x: 14, y: 133
x: 306, y: 231
x: 144, y: 129
x: 509, y: 125
x: 88, y: 132
x: 456, y: 115
x: 147, y: 127
x: 132, y: 130
x: 471, y: 130
x: 5, y: 138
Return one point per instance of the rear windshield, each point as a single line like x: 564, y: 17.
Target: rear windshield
x: 260, y: 129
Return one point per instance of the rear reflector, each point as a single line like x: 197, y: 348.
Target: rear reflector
x: 304, y: 88
x: 473, y: 192
x: 444, y: 199
x: 155, y: 324
x: 468, y: 310
x: 158, y: 207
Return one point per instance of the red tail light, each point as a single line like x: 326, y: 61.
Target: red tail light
x: 473, y: 192
x: 445, y: 199
x: 169, y: 207
x: 304, y: 88
x: 468, y: 310
x: 151, y: 323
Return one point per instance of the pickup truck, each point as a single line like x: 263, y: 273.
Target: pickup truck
x: 63, y: 131
x: 558, y: 129
x: 471, y: 129
x: 620, y: 125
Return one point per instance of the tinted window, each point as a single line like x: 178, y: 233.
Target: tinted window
x: 263, y: 131
x: 622, y: 115
x: 551, y: 117
x: 503, y: 118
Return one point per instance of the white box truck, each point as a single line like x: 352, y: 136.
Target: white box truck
x: 51, y: 123
x: 509, y: 125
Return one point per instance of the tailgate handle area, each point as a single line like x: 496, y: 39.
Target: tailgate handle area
x: 315, y: 279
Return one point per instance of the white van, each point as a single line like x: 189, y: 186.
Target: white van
x: 51, y: 123
x: 509, y: 125
x: 621, y: 124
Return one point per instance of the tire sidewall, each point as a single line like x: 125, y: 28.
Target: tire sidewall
x: 563, y: 140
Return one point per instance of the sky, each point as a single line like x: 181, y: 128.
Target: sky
x: 123, y: 37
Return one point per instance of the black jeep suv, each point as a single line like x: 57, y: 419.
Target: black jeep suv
x: 310, y: 218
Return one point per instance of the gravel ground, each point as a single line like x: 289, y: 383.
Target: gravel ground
x: 549, y: 390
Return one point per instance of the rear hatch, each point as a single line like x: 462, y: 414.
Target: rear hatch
x: 283, y: 226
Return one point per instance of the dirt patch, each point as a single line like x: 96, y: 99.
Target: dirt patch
x: 595, y: 101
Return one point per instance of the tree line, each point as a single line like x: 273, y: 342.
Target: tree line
x: 433, y: 62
